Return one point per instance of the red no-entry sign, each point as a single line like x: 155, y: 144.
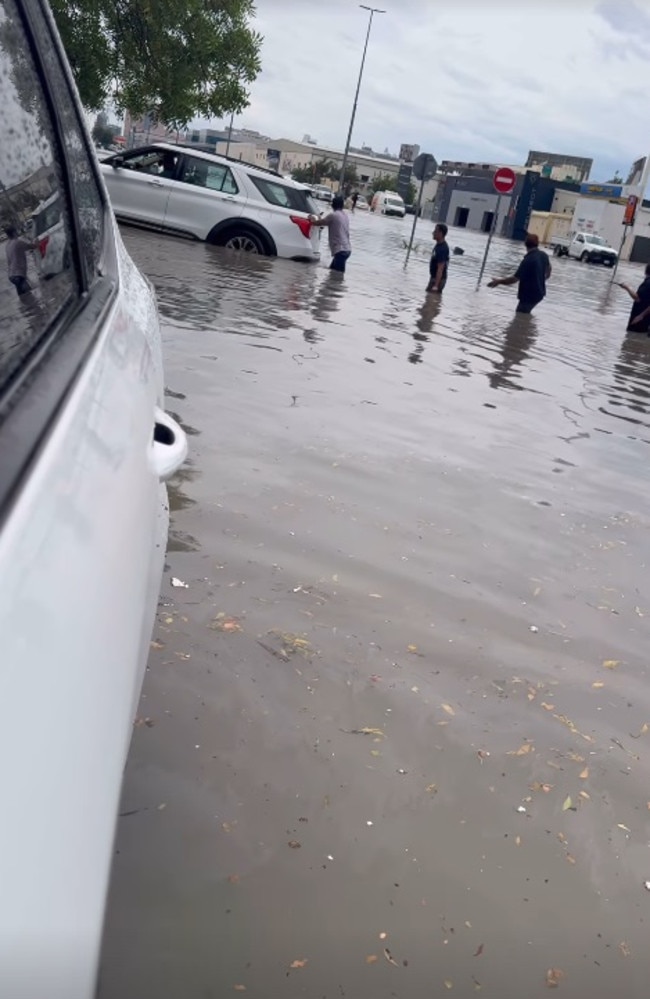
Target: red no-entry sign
x: 504, y: 180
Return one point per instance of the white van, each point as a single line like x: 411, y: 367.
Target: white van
x: 388, y: 203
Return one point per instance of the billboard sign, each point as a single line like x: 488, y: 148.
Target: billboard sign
x: 630, y: 210
x: 601, y: 190
x: 408, y: 152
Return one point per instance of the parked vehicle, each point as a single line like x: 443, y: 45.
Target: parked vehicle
x: 585, y: 246
x: 187, y: 192
x: 47, y: 228
x: 322, y: 192
x: 86, y: 446
x: 388, y: 203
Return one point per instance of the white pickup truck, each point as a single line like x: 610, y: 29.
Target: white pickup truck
x: 585, y: 246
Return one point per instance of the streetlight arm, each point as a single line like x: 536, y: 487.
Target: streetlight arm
x: 373, y: 11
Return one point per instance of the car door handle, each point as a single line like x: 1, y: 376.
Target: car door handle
x: 169, y: 445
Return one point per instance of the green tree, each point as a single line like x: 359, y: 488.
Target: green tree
x: 173, y: 59
x: 616, y: 179
x: 314, y: 172
x: 383, y: 182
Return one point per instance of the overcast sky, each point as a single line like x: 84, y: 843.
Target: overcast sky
x: 466, y: 79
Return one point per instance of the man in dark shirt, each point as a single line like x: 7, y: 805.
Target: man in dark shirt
x: 532, y: 274
x: 439, y: 259
x: 639, y: 321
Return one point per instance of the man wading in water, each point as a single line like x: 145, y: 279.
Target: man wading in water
x: 532, y: 274
x: 339, y: 233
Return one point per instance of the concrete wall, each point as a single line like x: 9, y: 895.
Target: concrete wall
x: 476, y: 195
x: 564, y: 202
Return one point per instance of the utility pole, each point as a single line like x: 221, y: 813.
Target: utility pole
x: 232, y: 118
x: 372, y: 11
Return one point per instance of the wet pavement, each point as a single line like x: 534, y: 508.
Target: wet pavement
x: 393, y: 739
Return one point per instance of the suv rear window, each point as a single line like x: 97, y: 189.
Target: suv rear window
x: 282, y: 195
x: 47, y: 217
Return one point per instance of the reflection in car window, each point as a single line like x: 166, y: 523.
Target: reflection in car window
x: 281, y: 195
x: 214, y: 176
x: 81, y: 174
x: 158, y: 162
x: 37, y: 279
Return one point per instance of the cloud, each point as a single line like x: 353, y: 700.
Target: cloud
x: 466, y: 80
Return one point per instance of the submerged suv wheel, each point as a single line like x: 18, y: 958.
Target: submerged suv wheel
x: 243, y: 241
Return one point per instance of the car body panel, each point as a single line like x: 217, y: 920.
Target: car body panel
x: 82, y: 553
x: 197, y: 209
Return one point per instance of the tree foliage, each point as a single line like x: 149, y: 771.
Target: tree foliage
x: 315, y: 172
x: 172, y: 59
x: 387, y: 182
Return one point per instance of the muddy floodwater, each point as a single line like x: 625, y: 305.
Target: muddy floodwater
x: 394, y: 735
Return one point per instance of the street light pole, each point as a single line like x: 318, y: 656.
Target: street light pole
x: 232, y: 118
x: 373, y: 11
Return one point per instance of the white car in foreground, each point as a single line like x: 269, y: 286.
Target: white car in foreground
x: 86, y: 446
x: 187, y: 192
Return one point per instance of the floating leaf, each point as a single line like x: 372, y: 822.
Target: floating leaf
x: 624, y: 828
x: 382, y: 936
x: 548, y: 707
x: 412, y: 648
x: 294, y: 844
x: 375, y: 752
x: 479, y: 950
x: 226, y: 624
x: 432, y: 788
x: 587, y: 797
x: 611, y: 663
x: 598, y: 685
x: 522, y: 751
x: 584, y: 774
x: 372, y: 959
x: 389, y: 957
x: 368, y: 731
x: 299, y: 963
x: 448, y: 708
x: 567, y: 804
x: 624, y: 949
x: 517, y: 840
x: 156, y: 645
x: 553, y: 977
x: 571, y: 859
x: 448, y: 983
x: 576, y: 757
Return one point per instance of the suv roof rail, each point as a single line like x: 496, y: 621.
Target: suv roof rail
x: 203, y: 148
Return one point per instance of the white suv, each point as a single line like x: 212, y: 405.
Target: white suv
x: 181, y: 190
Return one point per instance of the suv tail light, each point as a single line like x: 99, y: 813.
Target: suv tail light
x: 42, y: 245
x: 303, y: 224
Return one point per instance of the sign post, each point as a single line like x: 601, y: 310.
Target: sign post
x: 424, y: 168
x: 504, y: 181
x: 629, y: 217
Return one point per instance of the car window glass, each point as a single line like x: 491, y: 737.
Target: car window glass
x: 87, y: 196
x: 214, y: 176
x: 282, y: 195
x: 37, y: 276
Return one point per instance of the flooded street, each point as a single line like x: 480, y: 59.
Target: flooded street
x: 393, y: 739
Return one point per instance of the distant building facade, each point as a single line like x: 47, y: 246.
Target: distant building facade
x: 559, y: 166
